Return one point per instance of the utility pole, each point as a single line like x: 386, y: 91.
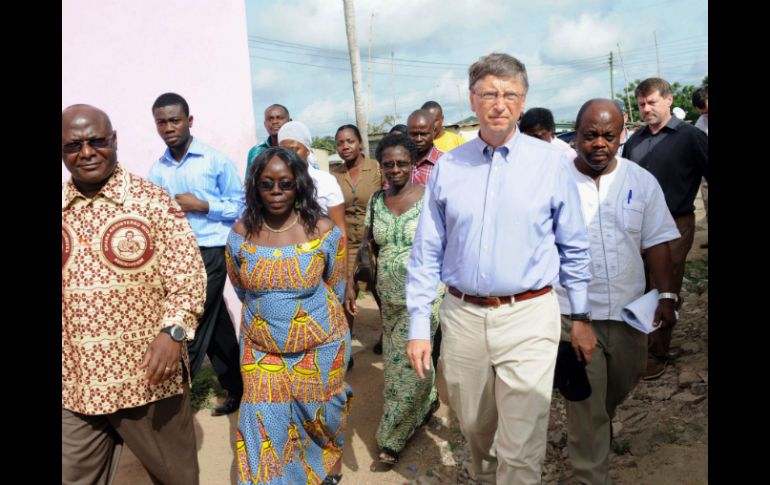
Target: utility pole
x: 369, y: 67
x: 629, y: 108
x: 657, y: 55
x: 355, y: 69
x: 612, y: 78
x: 393, y: 87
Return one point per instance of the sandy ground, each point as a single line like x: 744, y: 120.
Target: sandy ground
x: 432, y: 455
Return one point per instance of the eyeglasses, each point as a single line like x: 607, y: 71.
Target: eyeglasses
x: 492, y: 96
x: 283, y: 185
x: 96, y: 143
x: 399, y: 164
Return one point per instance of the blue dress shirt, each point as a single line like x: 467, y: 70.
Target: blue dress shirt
x: 498, y: 222
x: 209, y: 175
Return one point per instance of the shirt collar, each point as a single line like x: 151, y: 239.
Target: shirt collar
x: 673, y: 124
x: 504, y: 150
x: 195, y: 149
x: 116, y: 189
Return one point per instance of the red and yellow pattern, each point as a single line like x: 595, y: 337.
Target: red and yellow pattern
x: 293, y: 446
x: 258, y: 332
x: 304, y: 332
x: 244, y: 470
x: 307, y: 385
x: 338, y: 324
x: 335, y: 384
x: 269, y: 382
x: 269, y: 465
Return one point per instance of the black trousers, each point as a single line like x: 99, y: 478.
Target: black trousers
x: 215, y: 335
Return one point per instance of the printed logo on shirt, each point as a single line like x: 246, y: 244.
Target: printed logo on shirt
x: 66, y: 244
x: 141, y: 334
x: 126, y: 243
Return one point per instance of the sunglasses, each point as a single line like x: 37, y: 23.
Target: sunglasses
x: 283, y: 185
x: 398, y: 164
x: 95, y: 143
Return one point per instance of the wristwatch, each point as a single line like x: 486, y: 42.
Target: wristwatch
x: 580, y: 317
x: 176, y: 332
x: 668, y: 296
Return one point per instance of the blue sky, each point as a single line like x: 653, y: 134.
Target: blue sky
x: 299, y: 57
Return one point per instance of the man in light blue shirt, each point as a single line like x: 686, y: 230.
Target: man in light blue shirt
x: 501, y: 222
x: 205, y: 184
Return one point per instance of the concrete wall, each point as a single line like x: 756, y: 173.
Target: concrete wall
x: 119, y: 56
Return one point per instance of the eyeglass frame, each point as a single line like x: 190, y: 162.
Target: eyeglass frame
x: 106, y: 140
x: 486, y: 96
x: 262, y: 185
x: 400, y: 164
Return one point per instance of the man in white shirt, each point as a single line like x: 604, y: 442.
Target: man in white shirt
x: 538, y: 122
x: 625, y: 212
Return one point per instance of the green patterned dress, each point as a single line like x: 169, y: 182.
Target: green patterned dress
x: 407, y: 399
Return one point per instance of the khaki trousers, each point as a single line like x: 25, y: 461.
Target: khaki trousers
x: 160, y: 434
x: 659, y: 341
x: 498, y: 365
x: 617, y: 362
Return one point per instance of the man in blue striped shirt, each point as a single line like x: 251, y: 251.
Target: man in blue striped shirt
x: 501, y: 221
x: 205, y: 184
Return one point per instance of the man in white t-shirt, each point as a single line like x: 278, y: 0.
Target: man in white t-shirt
x: 538, y: 122
x: 625, y: 212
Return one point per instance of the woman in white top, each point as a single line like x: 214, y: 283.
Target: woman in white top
x: 295, y: 136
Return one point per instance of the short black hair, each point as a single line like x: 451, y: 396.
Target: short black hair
x: 352, y: 128
x: 593, y: 101
x: 535, y: 117
x: 396, y: 140
x: 399, y: 128
x: 700, y: 96
x: 284, y: 108
x: 431, y: 105
x: 171, y: 99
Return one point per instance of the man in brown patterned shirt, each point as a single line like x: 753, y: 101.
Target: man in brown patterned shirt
x: 133, y: 286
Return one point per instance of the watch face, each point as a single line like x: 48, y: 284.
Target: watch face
x: 177, y: 333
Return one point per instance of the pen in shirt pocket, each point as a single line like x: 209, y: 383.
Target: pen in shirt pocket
x: 629, y: 196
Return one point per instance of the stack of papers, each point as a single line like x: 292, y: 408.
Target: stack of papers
x: 641, y: 312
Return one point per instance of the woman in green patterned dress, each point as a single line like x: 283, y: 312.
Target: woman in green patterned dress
x: 408, y: 401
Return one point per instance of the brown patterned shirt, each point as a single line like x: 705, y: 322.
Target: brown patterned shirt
x: 130, y: 266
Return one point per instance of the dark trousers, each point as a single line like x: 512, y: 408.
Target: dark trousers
x: 660, y: 340
x: 161, y: 435
x: 215, y: 335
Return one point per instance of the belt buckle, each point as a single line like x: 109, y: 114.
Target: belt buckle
x: 497, y: 301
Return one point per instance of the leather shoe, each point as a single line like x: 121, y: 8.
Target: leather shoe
x: 655, y: 368
x: 230, y: 405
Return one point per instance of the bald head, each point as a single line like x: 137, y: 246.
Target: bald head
x: 89, y: 147
x: 421, y: 131
x: 83, y: 113
x: 598, y: 133
x: 599, y: 107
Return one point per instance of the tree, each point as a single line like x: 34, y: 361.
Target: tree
x: 384, y: 124
x: 325, y: 142
x: 682, y: 98
x: 355, y: 68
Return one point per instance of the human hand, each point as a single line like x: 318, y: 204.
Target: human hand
x: 161, y: 360
x: 419, y: 355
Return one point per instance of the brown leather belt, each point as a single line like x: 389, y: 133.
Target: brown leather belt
x: 496, y: 301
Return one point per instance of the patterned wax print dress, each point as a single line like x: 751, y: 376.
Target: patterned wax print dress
x: 407, y: 399
x: 295, y: 345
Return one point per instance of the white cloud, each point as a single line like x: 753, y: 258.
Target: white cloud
x: 265, y: 78
x: 587, y: 36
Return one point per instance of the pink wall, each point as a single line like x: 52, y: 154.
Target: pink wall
x: 120, y: 55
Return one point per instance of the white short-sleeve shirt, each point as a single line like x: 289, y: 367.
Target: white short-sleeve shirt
x: 625, y: 214
x: 328, y: 191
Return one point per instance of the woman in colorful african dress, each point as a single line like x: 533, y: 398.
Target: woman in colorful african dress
x: 408, y: 401
x: 284, y: 260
